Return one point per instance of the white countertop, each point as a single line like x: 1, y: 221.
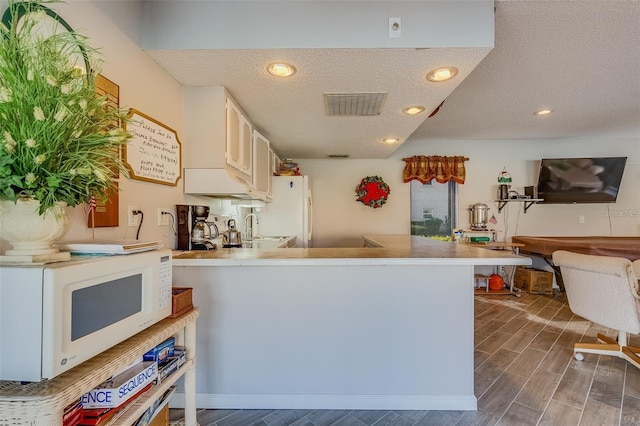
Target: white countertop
x: 389, y: 250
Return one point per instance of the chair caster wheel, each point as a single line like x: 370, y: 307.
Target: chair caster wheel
x: 578, y: 356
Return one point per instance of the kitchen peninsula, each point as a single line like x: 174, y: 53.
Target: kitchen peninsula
x: 387, y: 326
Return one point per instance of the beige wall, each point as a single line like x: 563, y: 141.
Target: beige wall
x: 145, y: 86
x: 339, y: 220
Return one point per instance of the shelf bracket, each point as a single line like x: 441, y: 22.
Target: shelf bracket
x: 501, y: 205
x: 528, y: 204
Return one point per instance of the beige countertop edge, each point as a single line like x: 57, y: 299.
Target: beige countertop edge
x: 395, y: 250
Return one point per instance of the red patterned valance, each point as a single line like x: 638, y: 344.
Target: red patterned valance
x: 426, y: 168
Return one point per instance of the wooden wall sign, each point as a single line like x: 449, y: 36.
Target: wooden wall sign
x: 105, y: 212
x: 153, y: 154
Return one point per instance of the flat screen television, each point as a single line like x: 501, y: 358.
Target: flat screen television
x: 580, y: 180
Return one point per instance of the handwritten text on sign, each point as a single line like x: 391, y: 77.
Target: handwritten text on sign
x: 153, y: 152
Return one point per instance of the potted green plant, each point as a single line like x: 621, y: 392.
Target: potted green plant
x: 59, y: 141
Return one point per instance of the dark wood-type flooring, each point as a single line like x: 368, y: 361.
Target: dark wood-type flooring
x: 525, y: 374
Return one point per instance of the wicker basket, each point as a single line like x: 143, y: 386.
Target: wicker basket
x: 181, y: 301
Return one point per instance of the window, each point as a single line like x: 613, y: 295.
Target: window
x: 433, y: 208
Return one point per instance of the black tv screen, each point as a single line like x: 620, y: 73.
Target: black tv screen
x: 580, y: 180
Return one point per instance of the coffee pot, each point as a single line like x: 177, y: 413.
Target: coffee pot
x: 202, y: 232
x: 231, y: 237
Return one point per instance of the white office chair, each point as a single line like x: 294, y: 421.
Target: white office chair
x: 604, y: 290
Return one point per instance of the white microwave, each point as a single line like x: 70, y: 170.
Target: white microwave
x: 54, y: 317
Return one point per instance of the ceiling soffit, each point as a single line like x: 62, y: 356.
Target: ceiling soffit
x: 337, y: 47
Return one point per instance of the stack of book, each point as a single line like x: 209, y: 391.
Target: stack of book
x: 73, y: 414
x: 107, y: 247
x: 168, y: 356
x: 100, y: 404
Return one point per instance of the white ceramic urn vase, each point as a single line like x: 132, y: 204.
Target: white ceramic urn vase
x: 30, y: 234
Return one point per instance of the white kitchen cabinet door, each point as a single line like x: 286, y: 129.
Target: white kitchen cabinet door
x: 274, y: 166
x: 239, y: 141
x: 261, y: 164
x: 246, y: 146
x: 275, y: 163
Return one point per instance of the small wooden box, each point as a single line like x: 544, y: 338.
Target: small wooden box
x: 181, y: 301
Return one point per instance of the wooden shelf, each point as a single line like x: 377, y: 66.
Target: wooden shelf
x: 499, y: 245
x: 528, y: 202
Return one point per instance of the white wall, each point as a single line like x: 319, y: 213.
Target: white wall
x: 287, y: 24
x: 339, y: 220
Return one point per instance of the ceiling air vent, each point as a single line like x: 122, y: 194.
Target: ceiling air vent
x: 353, y: 104
x: 338, y: 155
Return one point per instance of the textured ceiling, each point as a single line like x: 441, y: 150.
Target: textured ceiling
x: 579, y: 58
x: 291, y: 113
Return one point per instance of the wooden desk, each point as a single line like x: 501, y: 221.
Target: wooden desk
x: 625, y: 247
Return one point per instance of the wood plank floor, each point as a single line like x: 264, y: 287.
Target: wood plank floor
x: 525, y: 374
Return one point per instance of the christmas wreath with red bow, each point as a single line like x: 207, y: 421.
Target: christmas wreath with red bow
x: 373, y: 191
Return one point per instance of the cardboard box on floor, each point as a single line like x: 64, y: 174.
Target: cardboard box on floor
x: 534, y: 281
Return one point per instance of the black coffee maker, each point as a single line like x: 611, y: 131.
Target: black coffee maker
x: 194, y: 232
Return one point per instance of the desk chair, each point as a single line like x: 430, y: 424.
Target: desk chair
x: 603, y: 290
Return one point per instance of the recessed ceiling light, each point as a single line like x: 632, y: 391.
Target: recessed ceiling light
x: 413, y: 110
x: 442, y: 74
x: 390, y: 141
x: 543, y: 112
x: 281, y: 69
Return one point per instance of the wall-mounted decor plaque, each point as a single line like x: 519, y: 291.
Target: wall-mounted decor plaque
x: 153, y: 153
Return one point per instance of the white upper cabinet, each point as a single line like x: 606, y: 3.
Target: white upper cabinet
x: 275, y: 163
x: 274, y: 167
x: 261, y: 165
x: 219, y: 135
x: 239, y: 153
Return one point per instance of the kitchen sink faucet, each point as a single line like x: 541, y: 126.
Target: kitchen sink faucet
x: 248, y: 229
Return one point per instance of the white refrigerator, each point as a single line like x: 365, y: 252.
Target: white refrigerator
x: 290, y: 212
